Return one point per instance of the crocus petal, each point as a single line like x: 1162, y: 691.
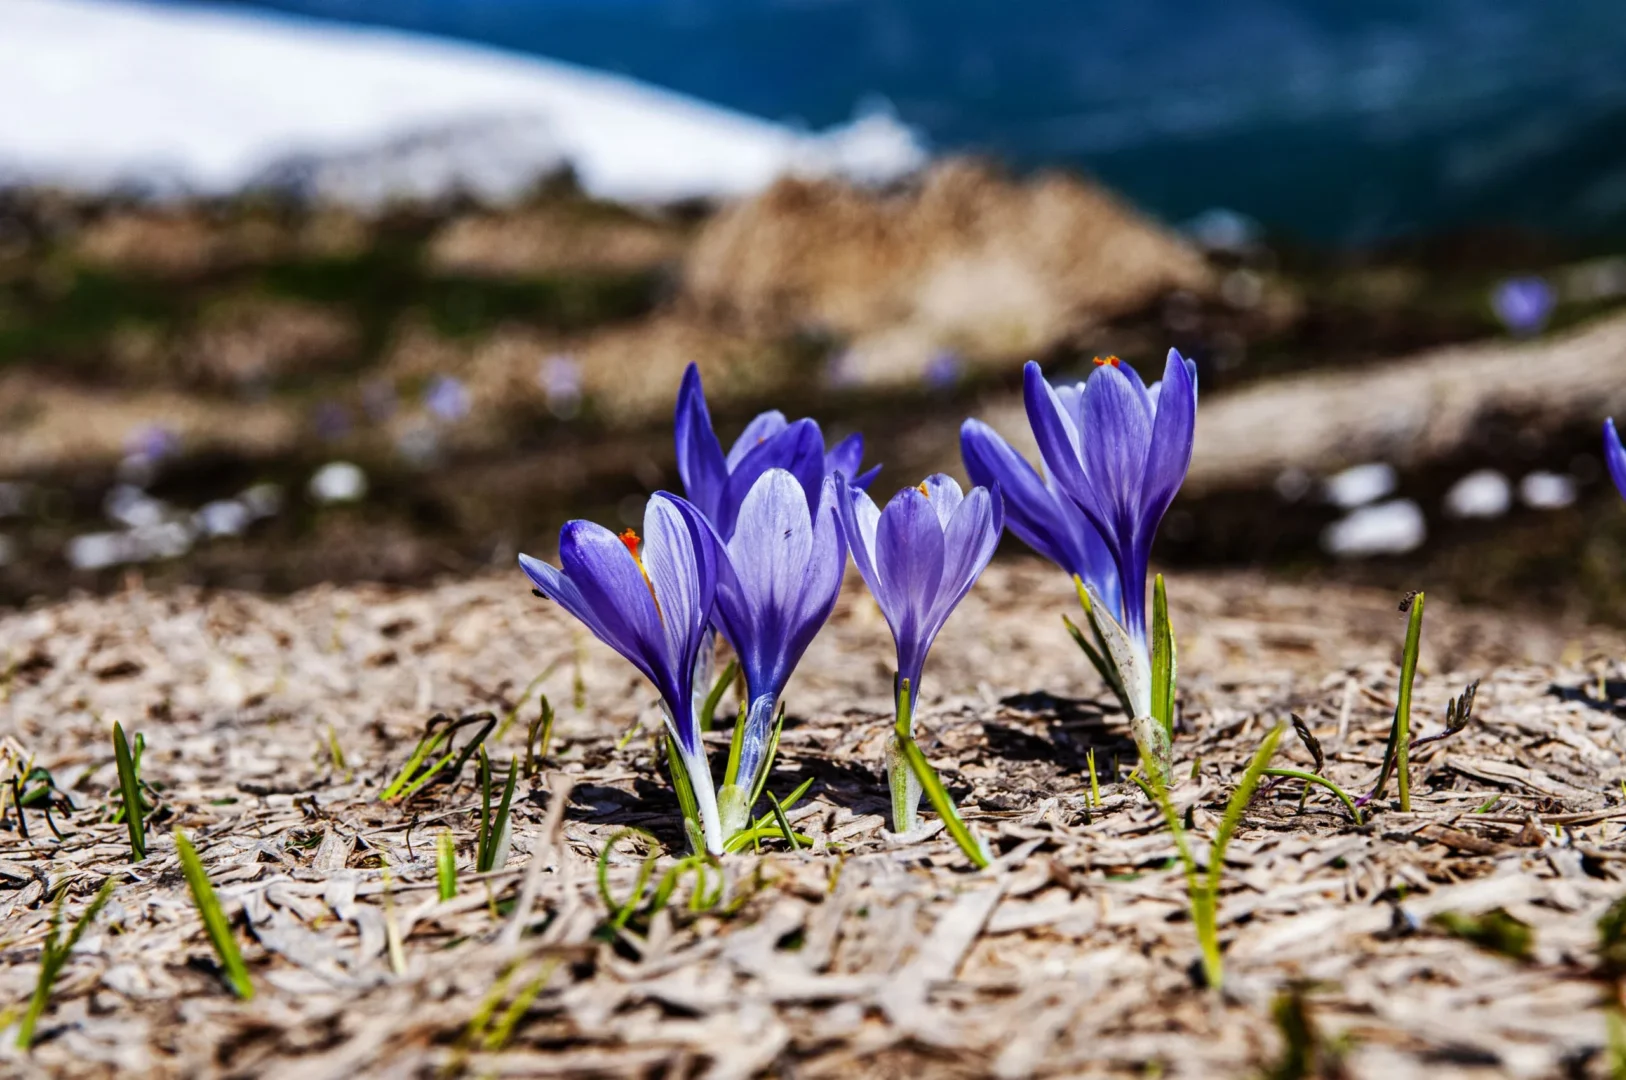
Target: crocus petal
x: 1120, y: 432
x: 1057, y: 434
x: 845, y: 457
x: 1173, y: 432
x: 767, y: 560
x: 799, y: 449
x: 681, y: 561
x: 968, y: 543
x: 699, y: 456
x: 945, y: 495
x: 909, y: 558
x: 1615, y: 454
x: 860, y: 518
x: 1031, y: 508
x: 867, y: 477
x: 610, y: 596
x: 762, y: 427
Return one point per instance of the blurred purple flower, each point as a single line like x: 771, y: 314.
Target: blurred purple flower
x: 153, y: 442
x: 331, y: 420
x: 778, y: 579
x: 446, y: 398
x: 560, y: 377
x: 652, y: 609
x: 1120, y: 450
x: 1523, y: 304
x: 718, y: 484
x: 1039, y: 513
x: 943, y: 370
x: 1614, y: 454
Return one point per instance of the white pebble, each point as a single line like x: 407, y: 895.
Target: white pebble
x: 97, y: 551
x: 1484, y: 493
x: 223, y: 517
x: 130, y: 506
x: 1390, y: 528
x: 1547, y: 490
x: 338, y: 482
x: 1361, y: 484
x: 167, y: 540
x: 262, y: 500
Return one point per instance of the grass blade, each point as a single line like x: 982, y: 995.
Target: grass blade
x: 784, y: 823
x: 708, y: 711
x: 1316, y: 778
x: 446, y: 866
x: 1162, y: 659
x: 214, y: 919
x: 130, y: 789
x: 54, y: 955
x: 1408, y: 675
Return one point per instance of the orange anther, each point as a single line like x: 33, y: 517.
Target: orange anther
x: 1113, y: 360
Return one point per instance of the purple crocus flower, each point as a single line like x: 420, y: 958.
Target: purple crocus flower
x: 653, y: 609
x: 777, y: 582
x: 1120, y: 450
x: 1614, y: 454
x: 1040, y: 515
x: 1523, y: 304
x: 718, y: 484
x: 919, y: 557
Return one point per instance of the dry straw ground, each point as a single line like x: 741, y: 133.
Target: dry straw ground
x: 866, y: 956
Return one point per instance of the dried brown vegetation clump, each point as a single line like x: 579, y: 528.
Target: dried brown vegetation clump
x: 993, y: 268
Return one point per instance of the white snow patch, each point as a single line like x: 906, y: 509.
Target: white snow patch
x: 1361, y: 484
x: 1390, y: 528
x: 1483, y: 493
x: 338, y: 482
x: 107, y: 94
x: 1547, y: 490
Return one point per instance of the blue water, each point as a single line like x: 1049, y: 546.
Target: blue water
x: 1332, y: 119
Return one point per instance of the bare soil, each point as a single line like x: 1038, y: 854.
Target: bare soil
x: 271, y: 726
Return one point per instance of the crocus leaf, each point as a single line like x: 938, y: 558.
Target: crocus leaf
x: 1126, y: 658
x: 1163, y: 662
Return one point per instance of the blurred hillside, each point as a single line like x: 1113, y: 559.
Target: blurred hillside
x: 269, y: 393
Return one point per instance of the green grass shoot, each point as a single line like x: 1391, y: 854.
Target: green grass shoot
x: 446, y: 866
x: 1203, y: 889
x: 214, y: 919
x: 539, y: 736
x: 932, y: 784
x: 1095, y: 785
x: 1408, y: 675
x: 130, y: 790
x: 492, y: 851
x: 438, y: 734
x: 54, y: 954
x: 1397, y: 753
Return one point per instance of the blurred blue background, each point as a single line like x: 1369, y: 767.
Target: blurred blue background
x: 1324, y: 119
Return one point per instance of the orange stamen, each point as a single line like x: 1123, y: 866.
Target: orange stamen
x: 630, y: 538
x: 921, y: 487
x: 1113, y: 360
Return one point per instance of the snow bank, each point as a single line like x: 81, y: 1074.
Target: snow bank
x: 104, y: 95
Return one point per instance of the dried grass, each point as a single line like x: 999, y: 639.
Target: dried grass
x: 866, y: 956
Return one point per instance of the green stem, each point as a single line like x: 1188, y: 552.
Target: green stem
x: 1313, y: 778
x: 1408, y: 675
